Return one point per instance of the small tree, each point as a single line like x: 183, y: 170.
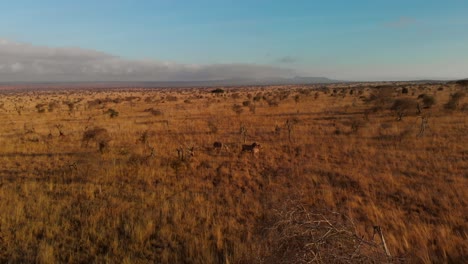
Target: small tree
x: 404, y: 107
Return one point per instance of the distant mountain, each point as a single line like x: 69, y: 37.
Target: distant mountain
x: 226, y: 82
x: 302, y: 80
x: 241, y: 81
x: 266, y: 81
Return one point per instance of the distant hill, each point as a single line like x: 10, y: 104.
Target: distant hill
x: 240, y: 82
x: 303, y: 80
x: 227, y: 82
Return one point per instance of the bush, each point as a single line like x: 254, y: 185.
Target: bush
x: 237, y: 109
x: 97, y: 134
x: 381, y: 97
x: 454, y: 100
x: 258, y: 97
x: 112, y: 113
x: 40, y: 108
x: 428, y: 101
x: 171, y: 98
x: 300, y: 235
x: 217, y: 91
x: 52, y: 106
x: 405, y: 106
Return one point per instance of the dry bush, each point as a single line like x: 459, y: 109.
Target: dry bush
x: 112, y: 113
x: 97, y: 134
x: 405, y: 106
x: 52, y: 106
x: 427, y: 100
x: 172, y: 98
x: 41, y: 108
x: 381, y: 96
x: 300, y: 235
x: 218, y: 91
x: 237, y: 109
x: 454, y: 100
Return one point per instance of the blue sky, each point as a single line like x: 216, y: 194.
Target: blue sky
x: 353, y: 40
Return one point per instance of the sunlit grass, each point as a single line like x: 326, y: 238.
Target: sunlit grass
x: 63, y: 201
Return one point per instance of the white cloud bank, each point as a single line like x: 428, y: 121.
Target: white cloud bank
x: 22, y: 62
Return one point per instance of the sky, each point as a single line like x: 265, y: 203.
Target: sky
x: 171, y: 40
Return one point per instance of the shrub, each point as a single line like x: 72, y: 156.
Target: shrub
x: 404, y: 107
x: 112, y: 113
x: 97, y: 134
x: 381, y: 97
x: 428, y: 101
x: 403, y: 104
x: 171, y: 98
x: 237, y: 109
x: 300, y: 235
x: 272, y: 103
x: 71, y: 106
x: 454, y: 100
x: 52, y: 106
x: 40, y: 108
x: 297, y: 98
x: 258, y: 97
x: 217, y: 91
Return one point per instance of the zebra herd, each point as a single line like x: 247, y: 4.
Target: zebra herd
x: 187, y: 153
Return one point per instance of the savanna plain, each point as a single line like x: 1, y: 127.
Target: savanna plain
x: 340, y: 173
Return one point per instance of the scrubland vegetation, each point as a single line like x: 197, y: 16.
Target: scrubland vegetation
x: 132, y: 176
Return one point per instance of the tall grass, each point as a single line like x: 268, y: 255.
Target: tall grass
x: 65, y: 201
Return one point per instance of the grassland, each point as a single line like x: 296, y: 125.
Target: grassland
x: 78, y: 183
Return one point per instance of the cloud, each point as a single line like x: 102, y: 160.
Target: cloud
x: 287, y: 59
x: 31, y: 63
x: 401, y: 22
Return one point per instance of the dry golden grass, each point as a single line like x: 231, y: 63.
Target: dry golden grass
x: 67, y: 195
